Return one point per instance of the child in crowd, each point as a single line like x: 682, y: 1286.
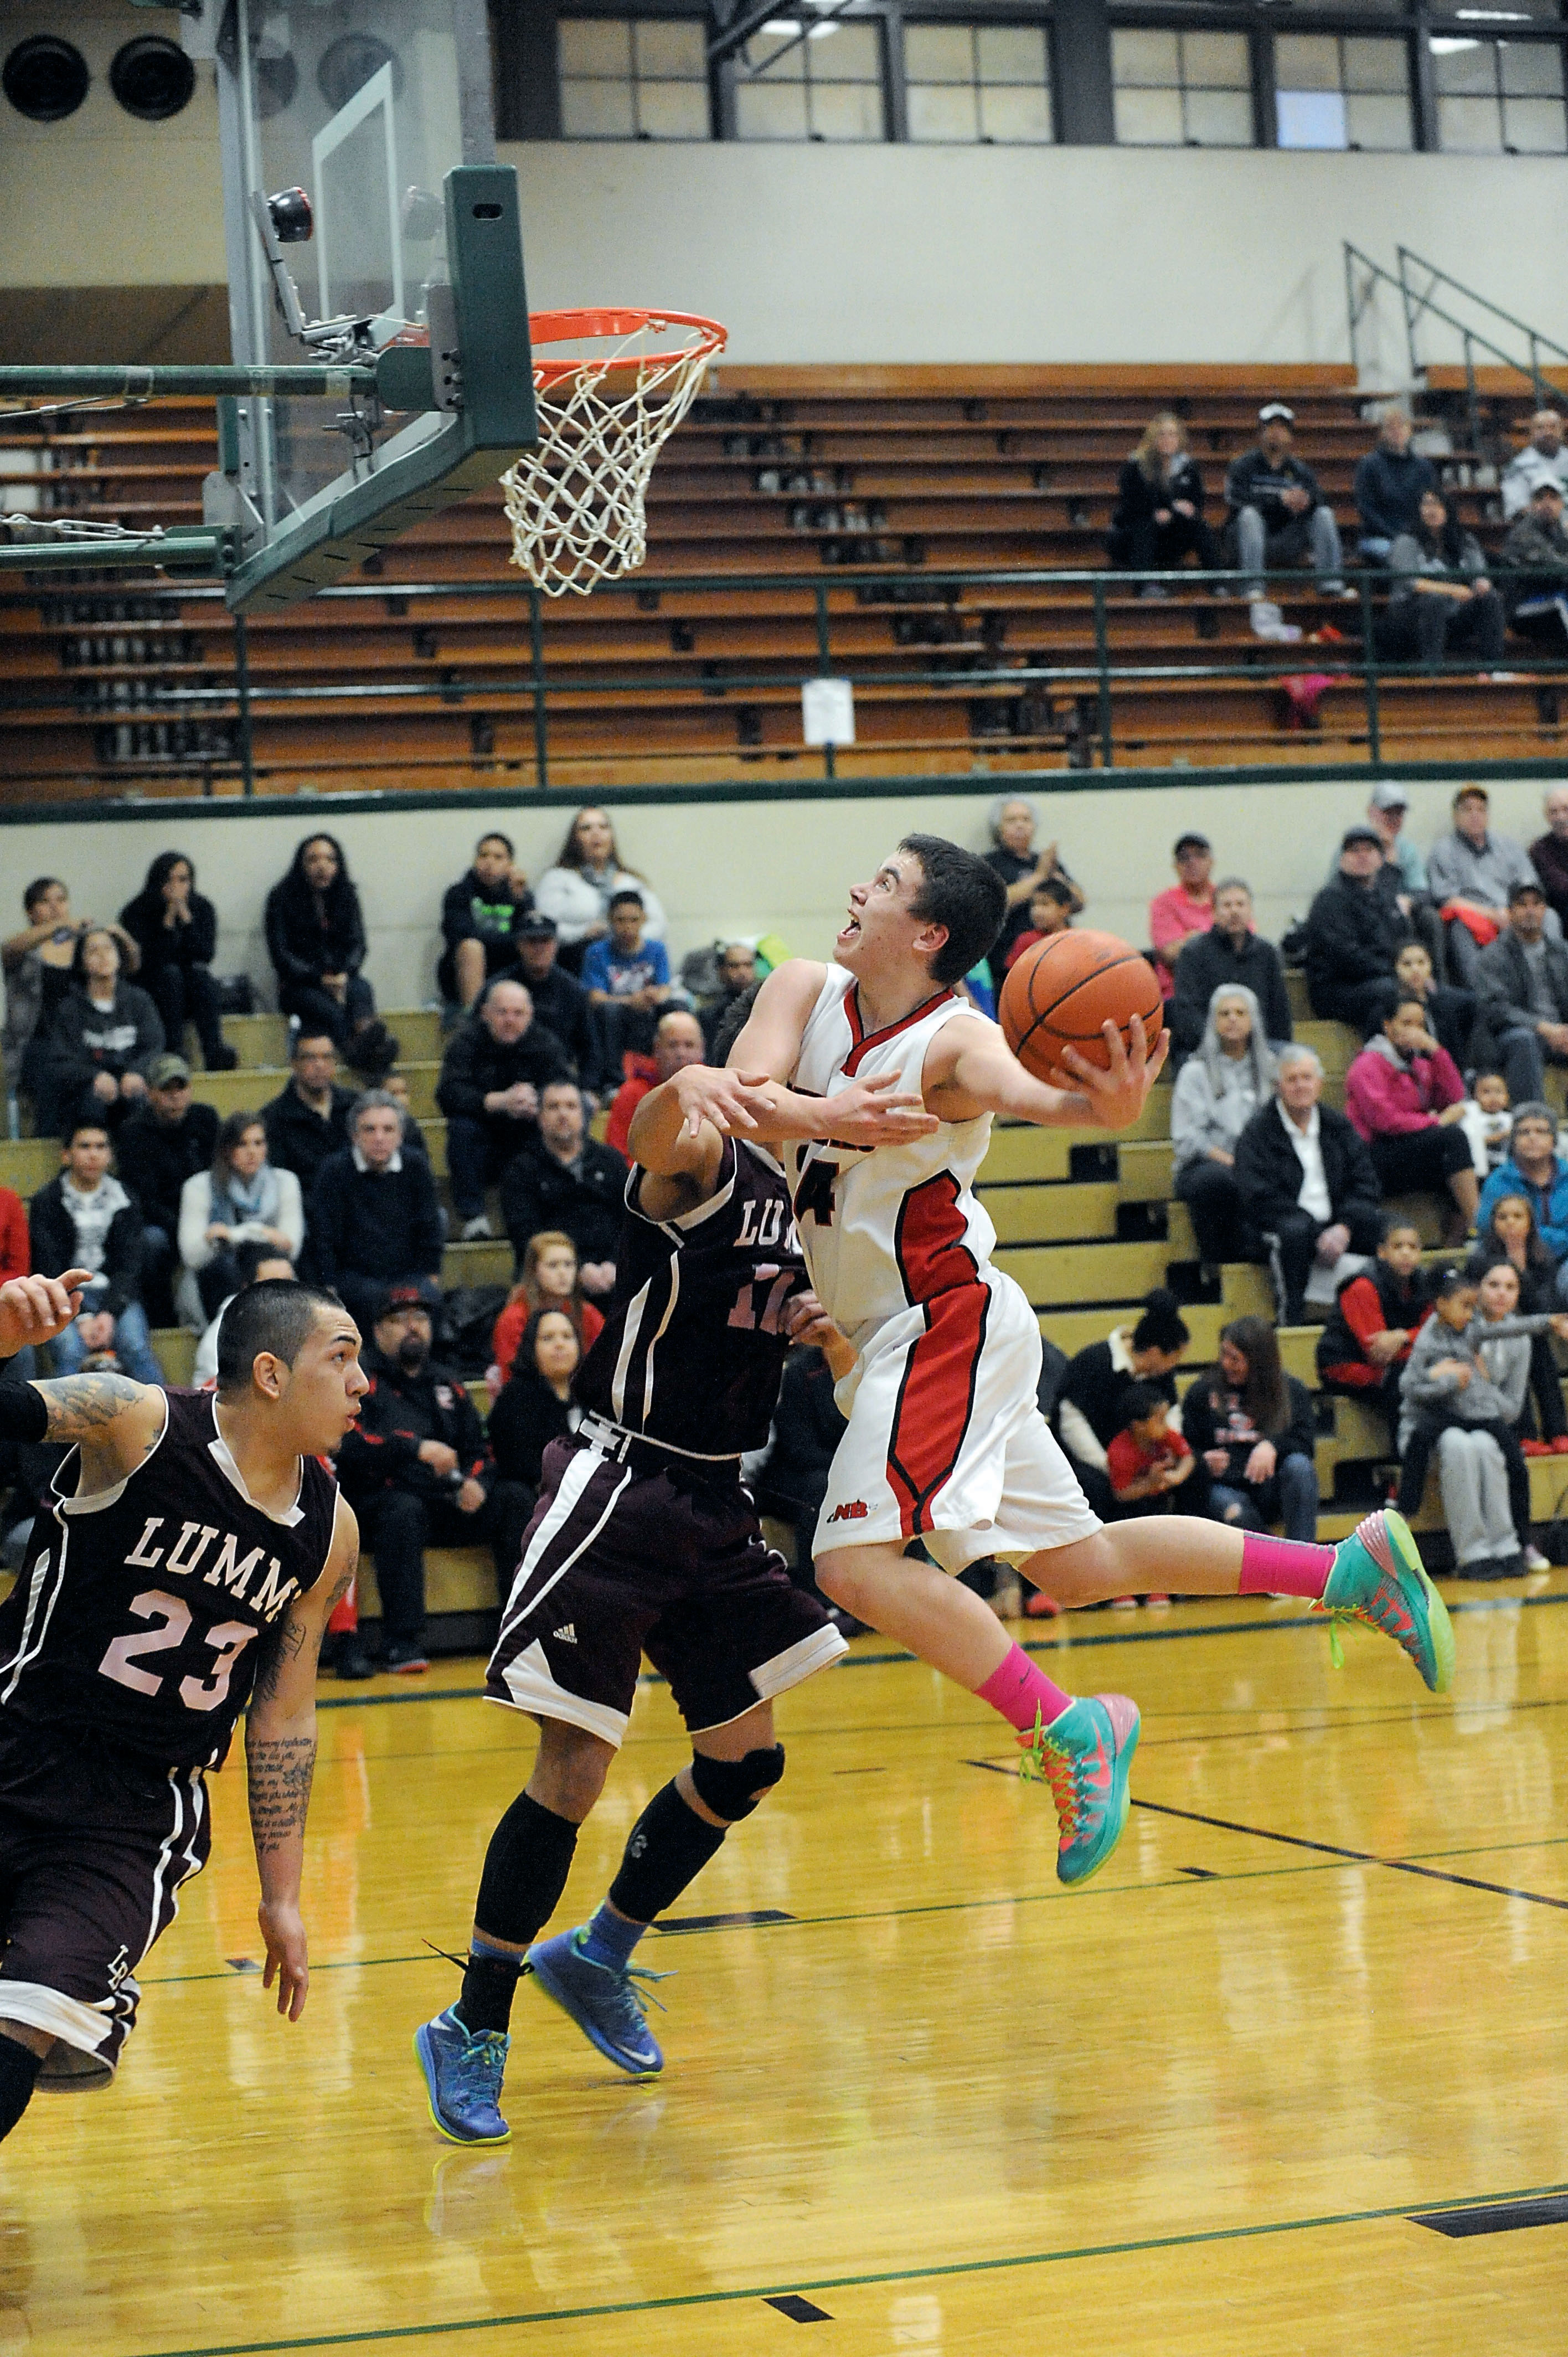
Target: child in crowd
x: 1450, y: 1013
x: 1364, y: 1349
x: 1486, y: 1122
x: 1147, y: 1463
x: 1510, y: 1234
x: 549, y: 1281
x: 627, y: 977
x: 1051, y: 904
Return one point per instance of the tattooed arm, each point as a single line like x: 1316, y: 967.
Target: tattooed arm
x: 280, y: 1757
x: 115, y: 1422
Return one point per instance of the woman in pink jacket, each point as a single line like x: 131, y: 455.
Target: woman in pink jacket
x: 1404, y: 1096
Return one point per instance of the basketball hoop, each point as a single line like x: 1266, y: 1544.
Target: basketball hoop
x: 576, y: 504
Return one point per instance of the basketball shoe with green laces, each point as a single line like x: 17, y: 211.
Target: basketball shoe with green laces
x: 1379, y: 1579
x: 1085, y: 1755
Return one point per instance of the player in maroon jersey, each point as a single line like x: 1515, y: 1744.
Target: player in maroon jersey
x: 182, y: 1567
x: 644, y: 1540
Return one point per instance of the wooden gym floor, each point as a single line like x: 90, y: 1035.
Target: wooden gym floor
x: 935, y: 2101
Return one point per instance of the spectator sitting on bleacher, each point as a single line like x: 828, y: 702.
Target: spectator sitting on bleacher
x: 373, y: 1216
x: 85, y: 1219
x: 1146, y: 1462
x: 1159, y: 517
x: 1443, y: 602
x: 627, y: 977
x: 1354, y: 935
x: 1308, y: 1182
x: 1536, y: 548
x: 560, y: 1002
x: 566, y: 1179
x: 418, y: 1472
x: 1470, y: 873
x: 254, y: 1264
x: 1402, y: 877
x: 480, y: 918
x: 737, y: 973
x: 1522, y: 980
x: 1092, y: 1402
x: 677, y: 1042
x: 1535, y: 1171
x: 1251, y: 1428
x: 1548, y: 851
x: 167, y: 1139
x: 1278, y: 515
x: 1450, y: 1013
x: 308, y: 1119
x: 38, y: 963
x: 1512, y: 1234
x: 1406, y: 1100
x: 1364, y: 1349
x: 1389, y: 482
x: 1487, y: 1121
x: 1461, y: 1396
x: 1544, y: 459
x: 1218, y: 1090
x: 1051, y: 907
x: 1013, y: 820
x: 548, y: 1280
x: 105, y: 1036
x: 176, y: 929
x: 1230, y: 956
x: 315, y: 938
x: 576, y: 892
x: 1184, y: 909
x: 237, y: 1200
x: 414, y: 1137
x: 536, y: 1407
x: 496, y: 1064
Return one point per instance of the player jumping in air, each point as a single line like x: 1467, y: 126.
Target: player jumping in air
x: 644, y: 1540
x: 945, y: 1441
x: 183, y: 1566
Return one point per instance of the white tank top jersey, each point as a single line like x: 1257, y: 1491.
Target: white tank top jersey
x: 883, y: 1228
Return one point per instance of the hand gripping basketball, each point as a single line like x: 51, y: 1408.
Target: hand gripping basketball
x: 1062, y: 992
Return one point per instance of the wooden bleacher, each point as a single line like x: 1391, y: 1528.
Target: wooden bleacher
x: 812, y: 473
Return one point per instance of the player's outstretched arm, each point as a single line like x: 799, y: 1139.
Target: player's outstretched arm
x: 969, y: 1070
x: 114, y: 1420
x: 280, y: 1760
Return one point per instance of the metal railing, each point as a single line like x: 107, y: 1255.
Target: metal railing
x: 1417, y: 282
x: 1068, y: 707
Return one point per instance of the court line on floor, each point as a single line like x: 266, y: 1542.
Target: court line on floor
x: 1200, y: 2237
x: 1355, y: 1857
x: 1067, y: 1642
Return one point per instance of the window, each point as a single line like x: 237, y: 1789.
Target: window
x: 1182, y: 90
x: 823, y: 82
x: 984, y: 82
x: 1334, y: 89
x: 634, y: 78
x: 1499, y: 96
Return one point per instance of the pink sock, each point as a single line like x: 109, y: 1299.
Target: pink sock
x: 1019, y: 1690
x: 1271, y: 1567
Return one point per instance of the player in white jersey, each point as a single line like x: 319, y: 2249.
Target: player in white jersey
x: 946, y: 1443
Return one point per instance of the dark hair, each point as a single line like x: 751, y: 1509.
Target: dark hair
x: 1488, y: 1072
x: 248, y: 1259
x: 311, y: 1031
x: 494, y: 835
x: 1162, y: 1326
x: 90, y: 933
x: 87, y: 1122
x: 629, y: 897
x: 1140, y: 1400
x: 1450, y: 1281
x: 1449, y: 541
x: 275, y: 1316
x: 525, y: 1360
x: 341, y: 899
x: 1481, y: 1264
x: 1053, y: 888
x: 1537, y: 1252
x: 732, y: 1022
x: 1264, y: 1394
x: 230, y: 1130
x: 1392, y: 1223
x: 158, y: 874
x: 964, y: 892
x: 571, y: 854
x: 37, y: 888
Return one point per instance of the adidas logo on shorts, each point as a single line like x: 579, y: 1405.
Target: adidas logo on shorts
x: 565, y: 1635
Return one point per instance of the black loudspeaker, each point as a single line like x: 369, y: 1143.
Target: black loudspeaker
x: 45, y: 79
x: 152, y: 78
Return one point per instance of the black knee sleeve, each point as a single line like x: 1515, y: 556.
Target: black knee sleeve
x: 526, y: 1867
x: 732, y: 1788
x: 669, y: 1846
x: 19, y: 2068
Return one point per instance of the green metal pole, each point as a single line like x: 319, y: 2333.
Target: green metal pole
x: 824, y: 671
x: 243, y: 687
x: 1369, y: 672
x: 1102, y: 658
x: 540, y: 718
x: 196, y: 552
x: 305, y: 382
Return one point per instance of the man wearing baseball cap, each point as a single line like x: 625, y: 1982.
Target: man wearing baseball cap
x: 1470, y: 874
x: 165, y: 1141
x: 1354, y: 933
x: 560, y: 1002
x: 1277, y: 513
x: 1185, y: 909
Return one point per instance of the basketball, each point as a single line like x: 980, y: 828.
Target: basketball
x: 1060, y: 992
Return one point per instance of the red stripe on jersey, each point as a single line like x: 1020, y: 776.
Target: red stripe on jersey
x: 935, y: 1399
x: 928, y: 1239
x: 861, y: 1041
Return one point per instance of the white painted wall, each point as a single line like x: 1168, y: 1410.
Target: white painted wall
x: 724, y: 869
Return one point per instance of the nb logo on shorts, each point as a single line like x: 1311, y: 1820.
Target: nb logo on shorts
x: 855, y: 1511
x: 566, y: 1635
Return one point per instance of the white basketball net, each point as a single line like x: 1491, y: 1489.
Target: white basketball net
x: 577, y: 503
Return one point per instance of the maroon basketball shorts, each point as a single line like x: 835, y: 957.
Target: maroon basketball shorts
x: 622, y: 1560
x: 94, y: 1844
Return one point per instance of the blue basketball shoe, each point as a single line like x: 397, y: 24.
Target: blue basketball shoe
x: 603, y: 2000
x: 463, y: 2070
